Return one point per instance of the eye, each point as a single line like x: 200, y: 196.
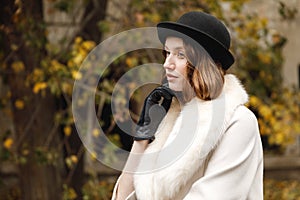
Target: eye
x: 166, y: 53
x: 180, y: 55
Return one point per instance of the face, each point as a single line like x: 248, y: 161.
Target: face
x: 175, y: 63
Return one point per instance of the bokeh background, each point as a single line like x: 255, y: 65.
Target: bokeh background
x: 43, y: 44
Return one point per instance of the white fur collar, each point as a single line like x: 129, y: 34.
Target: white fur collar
x: 183, y: 141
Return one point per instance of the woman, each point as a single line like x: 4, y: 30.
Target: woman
x: 220, y: 152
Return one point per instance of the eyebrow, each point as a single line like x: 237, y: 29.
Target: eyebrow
x: 176, y: 48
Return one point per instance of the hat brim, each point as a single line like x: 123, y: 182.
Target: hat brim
x: 215, y: 49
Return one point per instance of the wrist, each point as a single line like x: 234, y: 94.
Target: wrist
x: 139, y: 146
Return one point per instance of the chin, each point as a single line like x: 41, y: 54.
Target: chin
x: 174, y: 87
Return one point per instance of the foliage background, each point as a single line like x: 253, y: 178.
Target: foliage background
x: 38, y: 139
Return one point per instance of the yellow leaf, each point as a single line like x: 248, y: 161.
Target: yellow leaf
x: 78, y: 40
x: 67, y: 130
x: 8, y: 143
x: 78, y: 58
x: 70, y: 63
x: 88, y: 45
x: 18, y: 66
x: 131, y: 61
x: 254, y: 101
x: 56, y: 66
x: 93, y: 155
x: 156, y: 18
x: 264, y: 58
x: 262, y: 74
x: 76, y: 75
x: 19, y: 104
x: 74, y: 158
x: 39, y: 86
x: 8, y: 94
x: 14, y: 47
x: 276, y: 38
x: 264, y: 21
x: 279, y: 138
x: 96, y: 132
x: 37, y: 74
x: 66, y: 88
x: 265, y: 111
x: 25, y: 152
x: 68, y: 161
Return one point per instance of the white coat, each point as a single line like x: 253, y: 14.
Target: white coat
x: 216, y: 152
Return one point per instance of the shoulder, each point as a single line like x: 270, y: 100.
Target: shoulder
x: 243, y: 115
x: 243, y: 125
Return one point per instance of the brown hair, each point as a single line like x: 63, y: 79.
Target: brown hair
x: 205, y: 77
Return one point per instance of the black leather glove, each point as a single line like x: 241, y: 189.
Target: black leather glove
x: 155, y: 108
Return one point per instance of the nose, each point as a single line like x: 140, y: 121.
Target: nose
x: 169, y: 62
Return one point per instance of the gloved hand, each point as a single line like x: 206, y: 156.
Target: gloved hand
x: 155, y: 108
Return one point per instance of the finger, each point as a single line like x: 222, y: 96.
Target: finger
x: 166, y: 92
x: 156, y: 95
x: 160, y: 93
x: 166, y: 104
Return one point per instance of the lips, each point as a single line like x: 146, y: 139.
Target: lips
x: 171, y: 76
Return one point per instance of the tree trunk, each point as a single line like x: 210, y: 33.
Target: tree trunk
x: 39, y: 179
x: 96, y: 12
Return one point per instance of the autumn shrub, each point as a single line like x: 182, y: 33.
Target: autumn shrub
x: 259, y: 61
x: 281, y: 190
x: 95, y: 189
x: 279, y: 118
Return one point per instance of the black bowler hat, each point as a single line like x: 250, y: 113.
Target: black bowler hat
x: 205, y: 29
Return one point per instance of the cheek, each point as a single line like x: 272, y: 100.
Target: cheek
x: 181, y: 68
